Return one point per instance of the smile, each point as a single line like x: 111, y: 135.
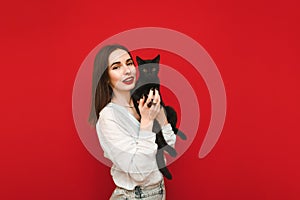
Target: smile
x: 128, y: 81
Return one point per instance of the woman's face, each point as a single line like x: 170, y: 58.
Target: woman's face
x: 121, y: 71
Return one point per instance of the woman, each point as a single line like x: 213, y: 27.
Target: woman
x: 125, y: 137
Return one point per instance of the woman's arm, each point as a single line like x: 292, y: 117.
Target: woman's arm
x: 169, y: 135
x: 134, y: 155
x: 167, y: 130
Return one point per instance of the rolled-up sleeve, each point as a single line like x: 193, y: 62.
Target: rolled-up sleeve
x: 169, y: 135
x: 133, y: 153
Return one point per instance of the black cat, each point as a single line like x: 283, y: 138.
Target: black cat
x: 148, y: 79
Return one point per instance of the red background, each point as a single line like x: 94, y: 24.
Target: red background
x: 255, y: 45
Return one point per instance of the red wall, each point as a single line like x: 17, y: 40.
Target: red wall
x: 255, y: 45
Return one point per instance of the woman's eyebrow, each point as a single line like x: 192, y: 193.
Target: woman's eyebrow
x: 118, y: 62
x: 129, y: 59
x: 115, y: 63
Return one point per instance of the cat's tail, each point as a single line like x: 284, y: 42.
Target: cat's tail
x: 162, y: 165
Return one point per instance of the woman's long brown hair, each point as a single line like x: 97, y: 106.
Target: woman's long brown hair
x: 101, y: 89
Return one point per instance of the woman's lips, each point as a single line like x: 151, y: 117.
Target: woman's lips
x: 128, y: 81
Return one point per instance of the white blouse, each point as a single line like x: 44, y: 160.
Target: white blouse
x: 132, y: 152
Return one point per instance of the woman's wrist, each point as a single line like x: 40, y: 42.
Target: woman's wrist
x: 162, y: 118
x: 163, y: 122
x: 146, y: 125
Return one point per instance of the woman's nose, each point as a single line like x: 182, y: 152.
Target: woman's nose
x: 127, y: 69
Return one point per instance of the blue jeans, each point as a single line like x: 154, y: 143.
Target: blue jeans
x: 155, y: 192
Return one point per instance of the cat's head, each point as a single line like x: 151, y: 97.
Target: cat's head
x: 148, y: 68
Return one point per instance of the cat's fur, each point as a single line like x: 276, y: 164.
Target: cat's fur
x: 148, y: 79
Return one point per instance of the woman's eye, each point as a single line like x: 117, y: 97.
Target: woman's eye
x: 131, y: 63
x: 116, y: 67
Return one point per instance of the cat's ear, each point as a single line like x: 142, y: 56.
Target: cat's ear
x: 139, y: 60
x: 157, y: 59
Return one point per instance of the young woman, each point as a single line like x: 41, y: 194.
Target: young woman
x: 125, y: 137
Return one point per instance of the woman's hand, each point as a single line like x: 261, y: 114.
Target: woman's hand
x: 149, y: 110
x: 161, y: 117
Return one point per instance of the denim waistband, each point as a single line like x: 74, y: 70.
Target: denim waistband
x: 143, y: 192
x: 140, y: 192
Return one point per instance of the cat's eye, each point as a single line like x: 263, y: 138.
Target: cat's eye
x: 145, y: 70
x: 153, y: 69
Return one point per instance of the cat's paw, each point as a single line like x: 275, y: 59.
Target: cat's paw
x: 181, y: 135
x: 170, y: 150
